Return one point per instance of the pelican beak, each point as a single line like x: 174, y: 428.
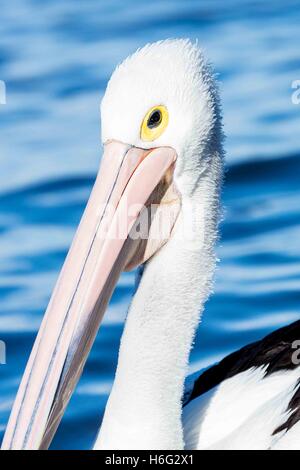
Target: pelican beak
x: 98, y: 254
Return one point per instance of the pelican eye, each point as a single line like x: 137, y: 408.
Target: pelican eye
x: 154, y: 119
x: 154, y: 123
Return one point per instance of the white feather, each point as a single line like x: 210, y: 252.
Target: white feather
x: 242, y: 412
x: 144, y: 408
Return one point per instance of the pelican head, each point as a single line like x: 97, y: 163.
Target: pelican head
x: 160, y: 132
x: 172, y: 77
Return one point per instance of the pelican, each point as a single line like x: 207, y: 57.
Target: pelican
x: 163, y: 147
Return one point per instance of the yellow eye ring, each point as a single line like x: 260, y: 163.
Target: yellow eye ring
x: 154, y: 123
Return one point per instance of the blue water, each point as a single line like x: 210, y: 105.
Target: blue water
x: 55, y: 57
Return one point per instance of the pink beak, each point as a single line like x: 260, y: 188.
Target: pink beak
x: 97, y: 256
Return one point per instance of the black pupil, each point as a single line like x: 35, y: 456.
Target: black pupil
x: 154, y: 119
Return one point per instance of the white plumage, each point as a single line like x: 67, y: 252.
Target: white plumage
x: 144, y: 408
x: 242, y: 412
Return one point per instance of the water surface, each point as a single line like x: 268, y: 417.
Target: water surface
x: 56, y: 57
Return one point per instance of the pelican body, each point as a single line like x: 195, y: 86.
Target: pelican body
x: 155, y: 204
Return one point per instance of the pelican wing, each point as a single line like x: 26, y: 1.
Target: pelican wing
x: 251, y: 399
